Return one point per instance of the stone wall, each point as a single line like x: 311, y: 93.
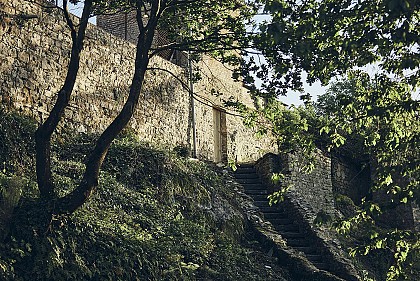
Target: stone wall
x: 350, y: 178
x: 124, y: 26
x: 312, y: 190
x: 310, y: 195
x: 120, y: 25
x: 34, y: 54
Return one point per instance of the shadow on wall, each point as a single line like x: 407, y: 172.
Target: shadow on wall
x: 351, y: 178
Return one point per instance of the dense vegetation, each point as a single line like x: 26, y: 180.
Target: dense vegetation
x: 374, y: 123
x: 339, y: 41
x: 154, y: 216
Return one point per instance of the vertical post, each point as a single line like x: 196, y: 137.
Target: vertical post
x: 191, y: 89
x: 217, y: 143
x: 125, y: 25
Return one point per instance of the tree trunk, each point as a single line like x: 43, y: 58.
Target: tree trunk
x: 45, y: 131
x: 75, y: 199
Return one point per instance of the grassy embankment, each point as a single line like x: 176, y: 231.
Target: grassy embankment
x: 155, y: 216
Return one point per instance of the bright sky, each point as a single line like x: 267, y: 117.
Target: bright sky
x: 314, y: 90
x: 75, y: 9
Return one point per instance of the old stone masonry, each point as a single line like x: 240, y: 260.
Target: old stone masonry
x: 35, y: 47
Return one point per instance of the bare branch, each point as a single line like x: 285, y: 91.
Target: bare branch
x: 184, y: 85
x: 196, y: 97
x: 69, y: 22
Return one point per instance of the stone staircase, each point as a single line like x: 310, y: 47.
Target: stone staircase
x: 279, y: 217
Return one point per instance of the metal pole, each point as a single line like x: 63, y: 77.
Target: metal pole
x: 190, y: 78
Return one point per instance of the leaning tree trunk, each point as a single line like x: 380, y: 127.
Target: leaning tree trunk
x: 45, y: 131
x: 76, y: 198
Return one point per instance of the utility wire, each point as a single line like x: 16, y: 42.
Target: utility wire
x: 197, y: 97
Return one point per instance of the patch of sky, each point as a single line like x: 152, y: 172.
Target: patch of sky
x: 75, y: 9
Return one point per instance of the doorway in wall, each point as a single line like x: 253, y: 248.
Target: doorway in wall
x: 219, y: 135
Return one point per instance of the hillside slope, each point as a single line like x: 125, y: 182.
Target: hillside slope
x: 155, y: 216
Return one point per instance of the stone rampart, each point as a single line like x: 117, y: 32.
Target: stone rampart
x: 312, y: 190
x: 34, y: 53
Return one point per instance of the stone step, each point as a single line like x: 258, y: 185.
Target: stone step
x: 261, y: 203
x: 246, y: 176
x: 253, y: 186
x: 286, y: 227
x: 305, y: 249
x: 245, y: 181
x: 321, y: 265
x: 280, y: 222
x: 273, y: 217
x: 277, y: 205
x: 292, y: 235
x: 242, y: 169
x: 258, y: 197
x: 252, y: 192
x: 265, y: 203
x: 314, y: 257
x: 297, y: 242
x: 272, y: 209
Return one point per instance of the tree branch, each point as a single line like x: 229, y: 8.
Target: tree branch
x: 45, y: 131
x: 89, y: 182
x: 69, y: 22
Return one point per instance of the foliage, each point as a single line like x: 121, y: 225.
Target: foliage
x: 345, y: 205
x: 385, y: 118
x: 182, y: 151
x: 326, y: 39
x: 229, y: 255
x: 213, y: 27
x: 322, y: 218
x: 292, y: 128
x: 16, y: 143
x: 281, y: 189
x: 154, y: 216
x: 232, y: 165
x: 386, y: 254
x: 10, y: 193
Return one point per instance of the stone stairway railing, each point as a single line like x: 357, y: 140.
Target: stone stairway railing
x: 284, y: 223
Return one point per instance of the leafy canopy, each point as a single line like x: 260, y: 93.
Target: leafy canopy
x: 331, y: 39
x: 327, y: 38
